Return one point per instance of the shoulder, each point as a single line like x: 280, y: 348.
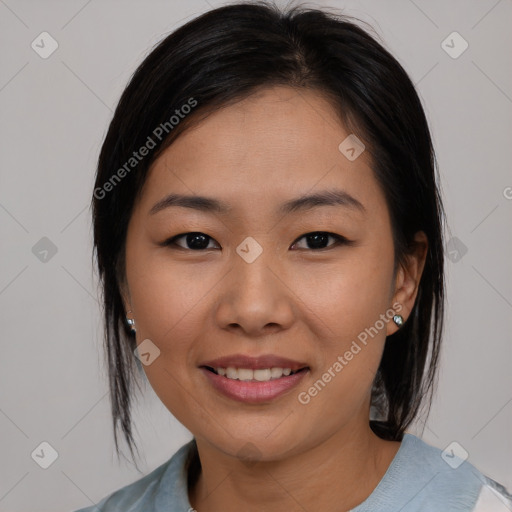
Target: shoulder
x: 165, y: 488
x: 445, y: 480
x: 423, y: 478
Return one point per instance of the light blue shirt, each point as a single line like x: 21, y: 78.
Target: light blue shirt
x: 419, y: 479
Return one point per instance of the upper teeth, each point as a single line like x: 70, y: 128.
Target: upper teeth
x: 262, y: 375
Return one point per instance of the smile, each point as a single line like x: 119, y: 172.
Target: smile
x: 248, y: 374
x: 253, y: 386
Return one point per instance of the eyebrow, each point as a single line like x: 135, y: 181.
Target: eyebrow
x: 332, y: 197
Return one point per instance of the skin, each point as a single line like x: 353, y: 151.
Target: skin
x: 294, y: 301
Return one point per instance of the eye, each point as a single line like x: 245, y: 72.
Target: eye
x: 318, y: 239
x: 197, y: 241
x: 194, y: 241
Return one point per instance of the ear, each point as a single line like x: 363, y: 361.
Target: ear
x: 407, y: 280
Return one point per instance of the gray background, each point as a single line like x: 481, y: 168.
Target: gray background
x: 54, y: 114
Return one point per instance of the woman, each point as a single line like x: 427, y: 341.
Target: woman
x: 269, y: 234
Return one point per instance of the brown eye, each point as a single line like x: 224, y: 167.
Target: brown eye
x: 194, y: 241
x: 318, y: 240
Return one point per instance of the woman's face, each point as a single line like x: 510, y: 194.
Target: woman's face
x: 252, y: 284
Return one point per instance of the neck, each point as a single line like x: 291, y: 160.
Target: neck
x: 337, y: 474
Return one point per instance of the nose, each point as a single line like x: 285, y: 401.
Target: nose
x: 255, y: 298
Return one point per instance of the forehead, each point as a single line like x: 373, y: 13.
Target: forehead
x: 276, y: 144
x: 274, y: 123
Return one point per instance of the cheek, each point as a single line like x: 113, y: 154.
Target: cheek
x: 169, y: 302
x: 166, y: 295
x: 351, y: 295
x: 349, y: 303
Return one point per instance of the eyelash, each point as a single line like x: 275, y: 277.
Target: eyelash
x: 340, y: 240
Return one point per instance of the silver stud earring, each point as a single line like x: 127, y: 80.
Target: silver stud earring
x: 131, y: 323
x: 399, y: 320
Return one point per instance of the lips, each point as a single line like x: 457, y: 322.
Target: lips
x: 254, y: 380
x: 253, y: 392
x: 254, y: 363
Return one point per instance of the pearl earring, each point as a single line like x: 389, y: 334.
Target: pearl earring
x: 131, y: 323
x: 399, y: 320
